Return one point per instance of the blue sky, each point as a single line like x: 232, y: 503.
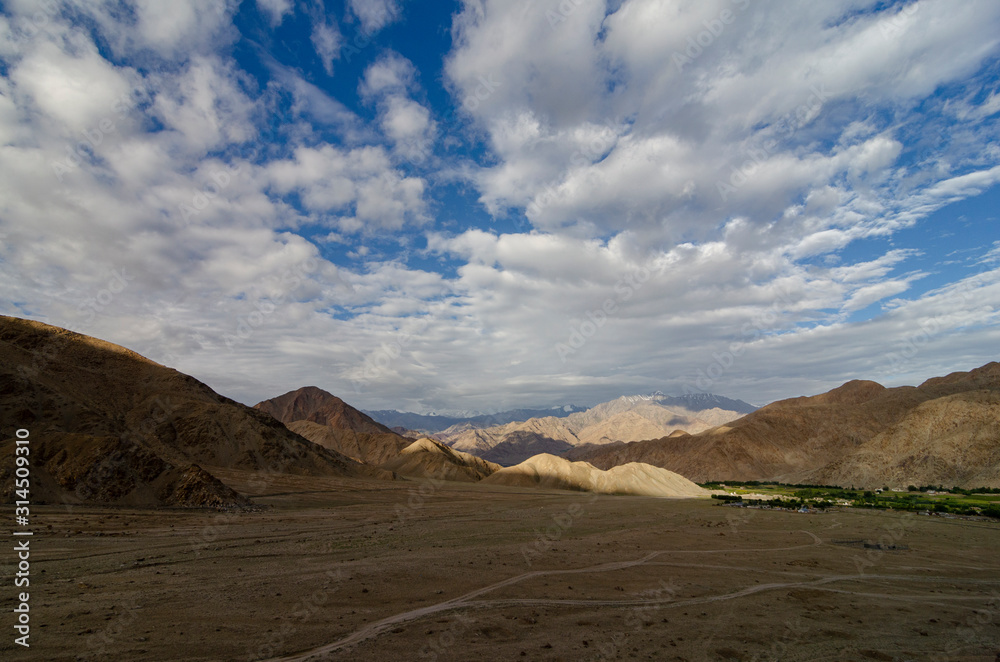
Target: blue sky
x: 480, y: 205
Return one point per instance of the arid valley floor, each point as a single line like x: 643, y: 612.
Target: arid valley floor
x: 359, y: 570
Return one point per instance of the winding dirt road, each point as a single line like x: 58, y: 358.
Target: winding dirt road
x: 468, y: 600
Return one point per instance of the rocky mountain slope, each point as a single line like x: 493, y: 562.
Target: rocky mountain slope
x: 951, y: 440
x: 327, y: 420
x: 941, y: 432
x: 110, y: 426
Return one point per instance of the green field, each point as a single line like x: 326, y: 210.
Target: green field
x: 983, y: 501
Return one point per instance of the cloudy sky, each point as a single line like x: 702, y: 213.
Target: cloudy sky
x: 477, y: 205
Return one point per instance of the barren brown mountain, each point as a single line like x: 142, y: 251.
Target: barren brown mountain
x: 110, y: 426
x: 426, y: 458
x: 952, y: 440
x: 325, y: 419
x: 862, y: 434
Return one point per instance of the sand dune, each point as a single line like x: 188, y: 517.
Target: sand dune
x: 552, y: 472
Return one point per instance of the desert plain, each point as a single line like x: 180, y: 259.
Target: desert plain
x: 345, y: 569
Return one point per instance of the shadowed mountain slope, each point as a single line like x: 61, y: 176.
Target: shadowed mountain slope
x: 311, y: 403
x: 327, y: 420
x: 519, y: 445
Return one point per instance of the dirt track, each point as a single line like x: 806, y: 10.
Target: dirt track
x: 369, y: 571
x: 466, y: 601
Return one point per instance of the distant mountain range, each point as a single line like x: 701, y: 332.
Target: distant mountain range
x: 430, y: 423
x: 628, y: 418
x: 702, y: 401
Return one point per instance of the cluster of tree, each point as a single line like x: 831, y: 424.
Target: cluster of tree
x: 799, y: 503
x: 918, y: 505
x: 869, y: 499
x: 715, y: 485
x: 953, y: 490
x: 831, y: 493
x: 777, y: 502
